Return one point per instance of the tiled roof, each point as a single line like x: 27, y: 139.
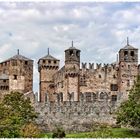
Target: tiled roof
x: 18, y: 57
x: 48, y: 57
x: 128, y: 47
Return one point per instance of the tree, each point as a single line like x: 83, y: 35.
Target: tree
x: 15, y: 112
x: 129, y: 111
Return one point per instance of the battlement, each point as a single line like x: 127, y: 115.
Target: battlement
x: 98, y: 66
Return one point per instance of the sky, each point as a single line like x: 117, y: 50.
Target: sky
x: 99, y: 30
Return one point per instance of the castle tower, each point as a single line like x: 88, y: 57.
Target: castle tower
x: 17, y: 71
x: 72, y: 67
x: 128, y: 68
x: 47, y: 67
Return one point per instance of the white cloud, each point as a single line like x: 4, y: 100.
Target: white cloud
x: 95, y: 28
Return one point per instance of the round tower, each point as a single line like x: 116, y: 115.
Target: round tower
x: 72, y: 72
x: 47, y: 67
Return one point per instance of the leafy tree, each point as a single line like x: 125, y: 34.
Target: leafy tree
x: 129, y: 111
x: 15, y: 111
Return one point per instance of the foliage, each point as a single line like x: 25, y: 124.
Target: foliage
x: 58, y: 133
x: 29, y: 130
x: 129, y: 111
x: 15, y: 111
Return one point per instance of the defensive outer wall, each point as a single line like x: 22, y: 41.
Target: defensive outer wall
x: 76, y: 116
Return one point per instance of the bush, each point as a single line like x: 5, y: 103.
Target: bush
x: 59, y: 133
x: 30, y: 131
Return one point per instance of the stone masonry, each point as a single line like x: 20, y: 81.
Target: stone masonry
x: 75, y: 97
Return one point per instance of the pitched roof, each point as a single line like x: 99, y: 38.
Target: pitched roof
x: 128, y: 47
x: 4, y: 77
x: 18, y: 57
x: 48, y: 57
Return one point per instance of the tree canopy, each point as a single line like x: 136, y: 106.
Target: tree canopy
x: 129, y: 111
x: 15, y: 112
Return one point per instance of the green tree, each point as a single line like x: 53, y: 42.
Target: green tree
x: 128, y: 113
x: 15, y: 111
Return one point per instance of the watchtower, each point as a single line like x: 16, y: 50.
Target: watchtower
x: 72, y: 67
x: 47, y: 67
x: 128, y: 67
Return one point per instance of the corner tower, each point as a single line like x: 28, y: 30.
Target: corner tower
x: 17, y: 71
x: 47, y: 67
x: 72, y: 72
x: 128, y: 68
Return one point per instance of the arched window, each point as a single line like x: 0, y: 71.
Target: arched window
x: 103, y: 95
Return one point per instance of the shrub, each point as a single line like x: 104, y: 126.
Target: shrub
x: 58, y: 133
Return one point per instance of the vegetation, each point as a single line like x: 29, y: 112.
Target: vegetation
x: 128, y: 113
x: 111, y: 133
x: 16, y: 114
x: 58, y: 133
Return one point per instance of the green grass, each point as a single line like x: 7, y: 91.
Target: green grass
x: 45, y: 135
x: 103, y: 133
x: 106, y: 133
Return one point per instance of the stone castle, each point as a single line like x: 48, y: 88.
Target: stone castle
x: 72, y: 96
x: 70, y: 81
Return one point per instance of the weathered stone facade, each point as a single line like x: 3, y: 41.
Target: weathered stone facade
x: 71, y: 80
x: 16, y: 74
x: 74, y: 97
x: 76, y: 116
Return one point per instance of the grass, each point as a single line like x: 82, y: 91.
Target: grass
x: 106, y: 133
x: 103, y: 133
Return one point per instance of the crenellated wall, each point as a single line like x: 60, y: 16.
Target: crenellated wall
x: 76, y: 116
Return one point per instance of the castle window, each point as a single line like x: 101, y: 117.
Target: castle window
x: 77, y: 53
x: 125, y: 53
x: 4, y: 81
x: 94, y: 97
x: 88, y: 97
x: 26, y: 62
x: 114, y: 87
x: 114, y: 98
x: 49, y: 61
x: 43, y: 61
x: 132, y: 53
x: 103, y: 95
x: 54, y: 62
x: 100, y: 76
x: 15, y: 77
x: 71, y: 52
x: 114, y: 76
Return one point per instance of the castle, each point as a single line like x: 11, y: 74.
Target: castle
x: 73, y: 95
x: 68, y: 82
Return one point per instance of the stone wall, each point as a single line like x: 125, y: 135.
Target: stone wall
x: 75, y: 116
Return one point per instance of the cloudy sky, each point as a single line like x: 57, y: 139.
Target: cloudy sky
x: 99, y: 30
